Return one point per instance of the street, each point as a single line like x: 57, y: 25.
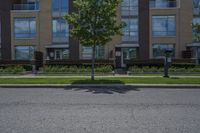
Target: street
x: 99, y: 110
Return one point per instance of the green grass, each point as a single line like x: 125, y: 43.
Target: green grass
x: 100, y: 81
x: 162, y: 74
x: 98, y: 74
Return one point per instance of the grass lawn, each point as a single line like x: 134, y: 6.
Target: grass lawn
x: 98, y: 74
x: 100, y: 81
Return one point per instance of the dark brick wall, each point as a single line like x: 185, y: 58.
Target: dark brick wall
x: 144, y: 29
x: 73, y: 43
x: 5, y: 6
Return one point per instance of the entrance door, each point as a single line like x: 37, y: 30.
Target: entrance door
x: 198, y: 55
x: 58, y: 54
x: 124, y: 54
x: 127, y: 54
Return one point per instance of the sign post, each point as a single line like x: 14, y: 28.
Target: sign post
x: 168, y: 61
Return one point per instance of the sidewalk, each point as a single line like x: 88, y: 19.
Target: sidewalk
x: 101, y: 85
x: 116, y: 76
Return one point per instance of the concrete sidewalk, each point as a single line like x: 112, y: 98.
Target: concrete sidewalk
x: 101, y: 85
x: 117, y: 76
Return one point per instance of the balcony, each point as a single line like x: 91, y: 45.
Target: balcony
x: 154, y: 4
x: 25, y: 6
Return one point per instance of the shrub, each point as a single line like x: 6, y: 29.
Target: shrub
x: 76, y: 69
x: 161, y: 69
x: 12, y: 69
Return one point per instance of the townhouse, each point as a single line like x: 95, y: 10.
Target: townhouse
x: 152, y: 26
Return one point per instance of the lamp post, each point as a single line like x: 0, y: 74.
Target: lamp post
x: 167, y: 64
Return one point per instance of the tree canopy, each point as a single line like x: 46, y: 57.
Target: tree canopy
x: 95, y: 21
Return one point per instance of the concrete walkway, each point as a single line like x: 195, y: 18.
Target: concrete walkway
x: 117, y: 76
x: 101, y: 85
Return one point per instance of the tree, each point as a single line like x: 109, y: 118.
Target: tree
x: 196, y: 28
x: 94, y: 23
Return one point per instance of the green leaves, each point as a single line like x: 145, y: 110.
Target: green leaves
x: 95, y: 21
x: 196, y: 31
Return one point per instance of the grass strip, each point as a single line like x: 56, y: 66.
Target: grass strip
x: 100, y: 81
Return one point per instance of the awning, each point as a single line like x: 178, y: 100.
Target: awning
x: 193, y: 45
x: 127, y: 45
x: 58, y: 46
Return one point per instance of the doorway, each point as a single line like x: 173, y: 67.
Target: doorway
x: 58, y: 54
x: 127, y: 54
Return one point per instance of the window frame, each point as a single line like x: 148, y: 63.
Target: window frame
x: 29, y: 33
x: 164, y: 44
x: 167, y: 33
x: 30, y: 56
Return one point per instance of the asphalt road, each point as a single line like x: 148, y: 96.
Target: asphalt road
x: 99, y: 110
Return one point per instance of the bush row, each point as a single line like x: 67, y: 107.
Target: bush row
x: 158, y: 65
x: 161, y: 69
x: 26, y: 67
x: 12, y: 69
x: 76, y: 69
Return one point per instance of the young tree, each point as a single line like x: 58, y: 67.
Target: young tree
x: 196, y: 28
x: 196, y: 32
x: 94, y: 23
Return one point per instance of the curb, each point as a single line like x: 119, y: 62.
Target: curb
x: 99, y: 85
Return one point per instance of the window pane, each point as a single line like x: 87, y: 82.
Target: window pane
x: 130, y: 31
x: 164, y: 25
x: 25, y: 27
x: 159, y: 50
x: 87, y: 52
x: 24, y: 52
x: 60, y: 7
x: 60, y: 31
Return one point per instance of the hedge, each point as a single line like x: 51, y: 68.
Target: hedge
x: 76, y: 69
x: 161, y: 69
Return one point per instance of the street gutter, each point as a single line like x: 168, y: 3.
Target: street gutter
x: 99, y: 85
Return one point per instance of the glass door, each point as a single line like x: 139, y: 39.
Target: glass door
x: 128, y: 54
x: 58, y: 54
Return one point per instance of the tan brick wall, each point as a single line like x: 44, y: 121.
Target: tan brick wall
x: 23, y: 41
x: 183, y: 36
x: 44, y: 28
x: 45, y: 19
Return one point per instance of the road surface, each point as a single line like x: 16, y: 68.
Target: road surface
x: 99, y: 110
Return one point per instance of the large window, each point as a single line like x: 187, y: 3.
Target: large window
x: 129, y: 53
x: 87, y: 52
x: 0, y: 41
x: 60, y: 7
x: 0, y: 32
x: 129, y: 8
x: 164, y: 25
x: 131, y: 30
x: 24, y: 27
x: 196, y: 4
x: 0, y: 53
x: 196, y: 20
x: 60, y: 31
x: 159, y: 50
x: 24, y: 52
x: 163, y: 3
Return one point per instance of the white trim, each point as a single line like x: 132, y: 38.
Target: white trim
x: 127, y: 45
x: 193, y: 45
x: 58, y: 46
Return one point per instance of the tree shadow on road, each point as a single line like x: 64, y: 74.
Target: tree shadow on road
x: 102, y: 88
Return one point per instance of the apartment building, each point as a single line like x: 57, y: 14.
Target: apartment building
x: 153, y: 26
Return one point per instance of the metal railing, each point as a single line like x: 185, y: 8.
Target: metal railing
x: 166, y: 4
x: 26, y: 7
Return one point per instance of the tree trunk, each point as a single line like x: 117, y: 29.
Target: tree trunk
x: 93, y: 61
